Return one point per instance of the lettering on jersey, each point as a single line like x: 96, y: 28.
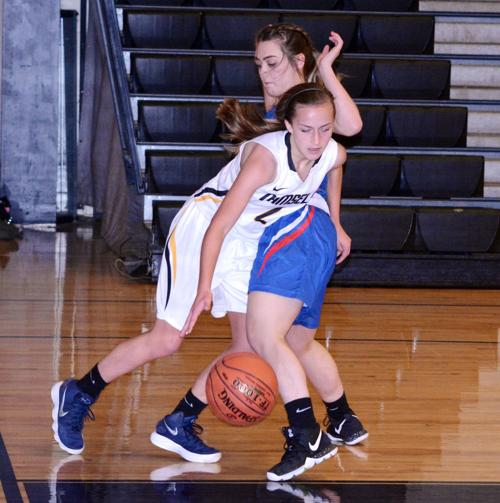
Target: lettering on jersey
x: 262, y: 217
x: 283, y: 200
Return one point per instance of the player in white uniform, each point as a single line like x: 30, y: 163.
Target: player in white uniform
x: 257, y: 177
x: 178, y: 279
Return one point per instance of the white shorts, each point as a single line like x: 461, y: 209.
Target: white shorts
x: 180, y: 268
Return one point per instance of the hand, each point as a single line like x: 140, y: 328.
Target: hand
x: 202, y: 302
x: 329, y: 55
x: 343, y: 244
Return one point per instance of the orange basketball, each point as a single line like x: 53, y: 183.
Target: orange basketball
x: 241, y: 389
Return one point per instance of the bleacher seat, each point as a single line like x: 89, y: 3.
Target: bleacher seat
x: 236, y: 76
x: 164, y: 213
x: 319, y: 27
x: 171, y: 74
x: 166, y: 3
x: 456, y: 230
x: 177, y: 122
x: 393, y: 34
x: 232, y: 31
x: 373, y: 127
x: 310, y: 4
x: 427, y: 126
x: 182, y: 173
x: 382, y: 5
x: 159, y: 30
x: 442, y: 176
x: 369, y: 175
x: 228, y: 4
x: 355, y: 75
x: 377, y: 229
x: 417, y: 79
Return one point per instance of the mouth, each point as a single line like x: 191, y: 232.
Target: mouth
x: 315, y: 151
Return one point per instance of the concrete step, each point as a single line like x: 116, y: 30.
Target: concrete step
x: 467, y: 35
x: 460, y: 6
x: 492, y: 177
x: 475, y: 80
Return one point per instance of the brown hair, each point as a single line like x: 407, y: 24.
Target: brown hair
x: 294, y: 40
x: 244, y: 122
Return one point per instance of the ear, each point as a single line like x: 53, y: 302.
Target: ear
x: 300, y: 61
x: 288, y: 126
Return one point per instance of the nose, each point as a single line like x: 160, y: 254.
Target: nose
x: 316, y: 137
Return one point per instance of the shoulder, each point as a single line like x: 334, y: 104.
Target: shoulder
x: 268, y: 145
x: 337, y: 153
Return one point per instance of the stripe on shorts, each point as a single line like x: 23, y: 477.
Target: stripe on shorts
x: 171, y: 263
x: 281, y: 243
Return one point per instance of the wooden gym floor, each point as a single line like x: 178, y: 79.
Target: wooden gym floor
x: 420, y: 367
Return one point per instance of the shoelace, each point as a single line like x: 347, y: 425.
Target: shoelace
x: 79, y: 412
x: 290, y: 444
x: 194, y: 430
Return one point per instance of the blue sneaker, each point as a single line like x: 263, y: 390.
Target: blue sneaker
x: 179, y: 434
x: 71, y: 407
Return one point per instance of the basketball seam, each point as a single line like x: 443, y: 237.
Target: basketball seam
x: 215, y: 406
x: 235, y: 396
x: 255, y: 357
x: 264, y: 384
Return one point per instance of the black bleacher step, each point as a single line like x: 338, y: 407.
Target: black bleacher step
x: 237, y: 75
x: 415, y: 271
x: 326, y: 5
x: 181, y: 120
x: 365, y: 175
x: 419, y: 268
x: 204, y: 27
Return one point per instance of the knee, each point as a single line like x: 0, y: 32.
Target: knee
x: 164, y: 340
x: 299, y: 343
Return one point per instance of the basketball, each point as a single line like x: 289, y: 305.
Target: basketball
x: 241, y: 389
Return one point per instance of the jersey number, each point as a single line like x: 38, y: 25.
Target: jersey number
x: 261, y: 218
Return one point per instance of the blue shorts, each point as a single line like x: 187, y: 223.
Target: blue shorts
x: 296, y: 258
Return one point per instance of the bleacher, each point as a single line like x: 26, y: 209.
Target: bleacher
x: 414, y: 198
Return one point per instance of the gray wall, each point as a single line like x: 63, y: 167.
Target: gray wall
x: 29, y: 100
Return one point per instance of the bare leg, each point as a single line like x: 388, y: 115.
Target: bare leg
x: 162, y: 340
x: 239, y: 343
x: 269, y: 318
x: 318, y: 364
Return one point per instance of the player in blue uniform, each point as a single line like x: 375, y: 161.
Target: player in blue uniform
x: 285, y: 56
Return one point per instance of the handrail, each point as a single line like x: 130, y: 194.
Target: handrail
x: 108, y: 23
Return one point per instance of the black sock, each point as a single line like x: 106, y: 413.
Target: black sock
x: 300, y: 413
x: 92, y: 383
x: 338, y: 408
x: 190, y: 405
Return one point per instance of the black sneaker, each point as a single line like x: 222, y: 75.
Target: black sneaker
x: 347, y: 430
x: 304, y: 448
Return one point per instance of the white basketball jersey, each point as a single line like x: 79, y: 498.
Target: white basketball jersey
x: 285, y: 194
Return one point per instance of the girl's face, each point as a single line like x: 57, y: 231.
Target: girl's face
x: 276, y: 72
x: 311, y: 129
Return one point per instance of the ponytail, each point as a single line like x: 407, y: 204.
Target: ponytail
x: 243, y: 121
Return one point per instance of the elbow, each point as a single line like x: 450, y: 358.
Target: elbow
x: 350, y: 127
x: 354, y: 127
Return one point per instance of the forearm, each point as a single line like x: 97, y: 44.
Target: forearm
x: 348, y: 120
x: 210, y: 249
x: 334, y: 194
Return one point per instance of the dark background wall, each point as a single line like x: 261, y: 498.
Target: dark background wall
x: 29, y: 108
